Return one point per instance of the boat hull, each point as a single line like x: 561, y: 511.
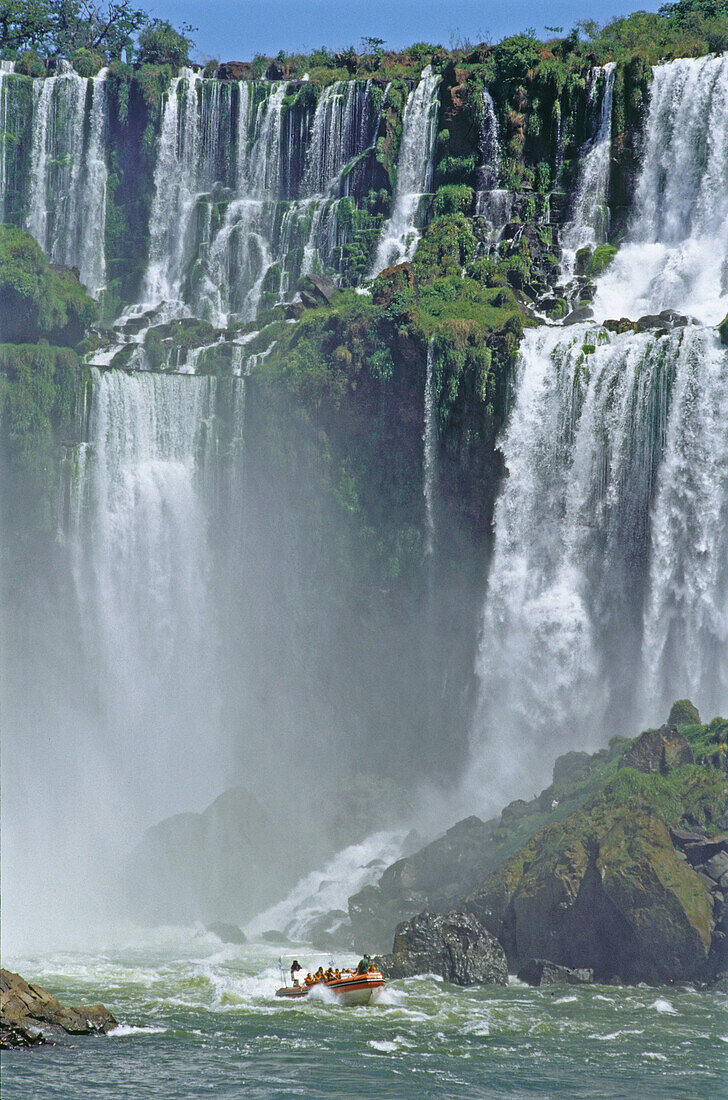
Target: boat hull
x: 356, y: 990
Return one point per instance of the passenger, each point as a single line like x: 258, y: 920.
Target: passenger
x: 337, y: 973
x: 364, y: 964
x: 308, y: 981
x: 295, y: 968
x: 329, y: 975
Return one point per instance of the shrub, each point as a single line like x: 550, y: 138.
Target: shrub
x: 160, y: 44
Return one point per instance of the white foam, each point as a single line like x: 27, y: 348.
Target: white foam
x: 664, y: 1006
x: 123, y: 1031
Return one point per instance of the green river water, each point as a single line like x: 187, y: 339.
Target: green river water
x: 199, y: 1019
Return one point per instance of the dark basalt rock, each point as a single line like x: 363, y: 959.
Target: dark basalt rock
x: 581, y: 313
x: 544, y: 972
x: 29, y: 1015
x: 228, y: 933
x: 456, y: 946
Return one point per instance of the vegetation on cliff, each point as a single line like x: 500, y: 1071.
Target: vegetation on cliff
x: 608, y: 868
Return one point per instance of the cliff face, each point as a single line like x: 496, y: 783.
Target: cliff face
x: 628, y: 881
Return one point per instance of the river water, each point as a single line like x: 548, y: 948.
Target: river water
x: 198, y: 1018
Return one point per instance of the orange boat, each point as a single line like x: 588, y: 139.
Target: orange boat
x: 349, y: 988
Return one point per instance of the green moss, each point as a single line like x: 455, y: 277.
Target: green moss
x: 35, y: 300
x: 601, y: 258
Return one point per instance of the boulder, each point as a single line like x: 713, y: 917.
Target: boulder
x: 320, y: 288
x: 683, y: 713
x: 456, y: 946
x: 228, y: 933
x: 658, y: 751
x: 545, y: 972
x: 723, y: 330
x: 27, y: 1012
x: 578, y: 315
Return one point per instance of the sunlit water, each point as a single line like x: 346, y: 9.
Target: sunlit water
x: 200, y: 1019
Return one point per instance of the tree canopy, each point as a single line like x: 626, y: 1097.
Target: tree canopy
x: 109, y: 28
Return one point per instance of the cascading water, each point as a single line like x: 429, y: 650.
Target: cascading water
x: 608, y: 589
x: 590, y: 221
x: 429, y: 458
x: 6, y: 69
x: 686, y: 614
x: 676, y: 256
x: 141, y: 562
x: 68, y: 174
x: 492, y: 203
x: 414, y: 172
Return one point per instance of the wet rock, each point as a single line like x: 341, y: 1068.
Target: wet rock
x: 544, y: 972
x: 228, y: 933
x: 27, y: 1011
x: 455, y: 946
x: 723, y: 330
x: 274, y: 935
x: 578, y: 315
x: 624, y: 324
x: 658, y: 751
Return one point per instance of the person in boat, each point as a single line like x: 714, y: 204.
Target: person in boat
x: 320, y: 974
x: 337, y: 973
x: 364, y: 964
x: 295, y: 968
x: 308, y: 981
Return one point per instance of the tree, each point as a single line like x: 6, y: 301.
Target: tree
x: 161, y: 44
x: 54, y: 28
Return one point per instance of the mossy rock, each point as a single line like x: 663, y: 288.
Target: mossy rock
x: 601, y: 258
x: 683, y: 713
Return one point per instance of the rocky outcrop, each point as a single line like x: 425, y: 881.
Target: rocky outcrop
x: 605, y: 890
x: 29, y: 1015
x: 228, y: 933
x: 435, y: 878
x: 544, y: 972
x: 456, y: 946
x: 658, y: 751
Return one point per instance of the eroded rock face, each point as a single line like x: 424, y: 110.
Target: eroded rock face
x: 30, y: 1015
x: 455, y: 945
x: 605, y: 890
x: 658, y: 751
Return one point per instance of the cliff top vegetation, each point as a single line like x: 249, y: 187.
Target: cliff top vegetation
x: 90, y: 34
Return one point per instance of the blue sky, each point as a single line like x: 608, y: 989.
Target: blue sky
x: 235, y: 30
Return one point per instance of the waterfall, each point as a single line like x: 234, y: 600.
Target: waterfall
x: 414, y: 171
x: 141, y: 562
x: 175, y: 190
x: 589, y: 224
x: 608, y: 588
x: 6, y: 69
x: 686, y: 613
x: 429, y: 458
x: 560, y: 633
x: 67, y: 193
x: 492, y: 203
x: 677, y: 251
